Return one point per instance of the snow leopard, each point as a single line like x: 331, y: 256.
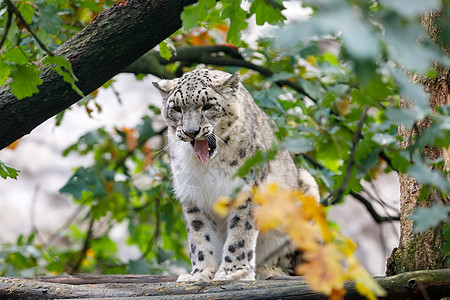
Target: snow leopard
x: 214, y: 126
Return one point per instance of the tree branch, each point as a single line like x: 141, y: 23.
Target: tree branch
x: 113, y: 40
x: 218, y: 55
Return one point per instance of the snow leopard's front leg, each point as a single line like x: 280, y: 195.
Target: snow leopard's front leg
x: 238, y: 258
x: 202, y: 238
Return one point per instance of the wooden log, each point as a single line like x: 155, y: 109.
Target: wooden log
x: 435, y: 284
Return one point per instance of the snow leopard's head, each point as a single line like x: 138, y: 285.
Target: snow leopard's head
x: 201, y: 107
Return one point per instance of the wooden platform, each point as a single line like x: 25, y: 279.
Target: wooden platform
x: 413, y: 285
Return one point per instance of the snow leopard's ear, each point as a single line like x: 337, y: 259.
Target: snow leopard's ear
x: 230, y: 85
x: 165, y: 86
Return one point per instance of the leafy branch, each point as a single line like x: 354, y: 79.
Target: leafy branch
x: 13, y: 8
x: 376, y: 217
x: 337, y: 194
x: 7, y: 27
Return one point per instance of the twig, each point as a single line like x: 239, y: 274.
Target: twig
x: 66, y: 224
x: 83, y: 251
x: 155, y: 236
x: 24, y: 23
x: 351, y: 162
x: 8, y: 26
x: 377, y: 218
x: 116, y: 93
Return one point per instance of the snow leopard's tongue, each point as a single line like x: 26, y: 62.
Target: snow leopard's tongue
x: 201, y: 149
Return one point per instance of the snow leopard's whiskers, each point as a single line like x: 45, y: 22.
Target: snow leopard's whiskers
x: 161, y: 152
x: 220, y: 140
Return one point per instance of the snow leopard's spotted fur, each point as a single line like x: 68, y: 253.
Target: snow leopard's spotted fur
x: 215, y: 106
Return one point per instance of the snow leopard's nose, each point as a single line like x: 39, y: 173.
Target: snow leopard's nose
x: 192, y: 133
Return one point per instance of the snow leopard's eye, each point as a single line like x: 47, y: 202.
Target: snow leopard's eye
x: 177, y: 109
x: 207, y: 106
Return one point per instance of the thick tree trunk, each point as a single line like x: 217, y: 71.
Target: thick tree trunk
x: 415, y: 285
x: 422, y: 251
x: 113, y: 40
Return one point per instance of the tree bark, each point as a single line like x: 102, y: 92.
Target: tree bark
x: 414, y: 285
x: 113, y: 40
x: 422, y: 251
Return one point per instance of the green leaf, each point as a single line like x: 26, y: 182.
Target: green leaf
x: 267, y: 11
x: 48, y: 19
x: 406, y: 116
x: 411, y: 8
x: 268, y: 98
x: 281, y: 76
x: 232, y: 10
x: 25, y: 81
x: 145, y: 129
x: 64, y: 68
x: 140, y: 266
x: 297, y: 144
x: 411, y: 90
x: 427, y: 217
x: 27, y: 11
x: 258, y: 158
x: 401, y: 41
x: 164, y: 50
x: 192, y: 14
x: 384, y: 139
x: 425, y: 175
x: 4, y: 70
x: 16, y: 56
x: 88, y: 180
x: 8, y: 171
x: 358, y: 39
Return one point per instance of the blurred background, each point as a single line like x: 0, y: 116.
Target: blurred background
x: 33, y: 203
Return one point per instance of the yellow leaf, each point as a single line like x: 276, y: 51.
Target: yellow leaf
x: 329, y: 257
x: 311, y: 59
x: 364, y: 283
x: 323, y: 270
x: 348, y: 247
x: 276, y: 207
x: 269, y: 216
x: 343, y: 106
x: 304, y: 234
x: 337, y: 294
x: 222, y: 206
x: 131, y: 138
x: 13, y: 145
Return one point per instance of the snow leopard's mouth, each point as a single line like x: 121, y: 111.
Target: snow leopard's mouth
x: 204, y: 149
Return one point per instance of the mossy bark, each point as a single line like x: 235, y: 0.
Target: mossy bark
x: 422, y: 251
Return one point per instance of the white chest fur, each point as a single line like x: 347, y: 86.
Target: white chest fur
x: 200, y: 183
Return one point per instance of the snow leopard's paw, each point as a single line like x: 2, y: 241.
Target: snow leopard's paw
x: 239, y: 273
x: 198, y: 275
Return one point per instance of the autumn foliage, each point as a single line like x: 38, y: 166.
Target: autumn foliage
x: 329, y: 257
